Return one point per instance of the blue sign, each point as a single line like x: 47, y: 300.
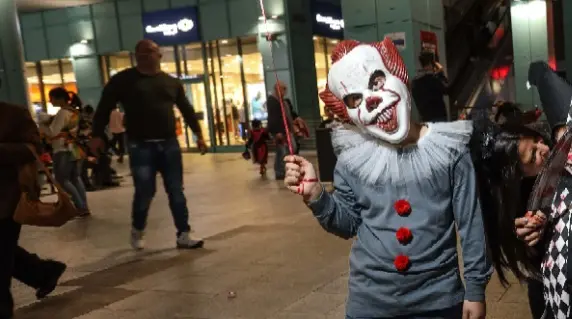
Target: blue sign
x: 327, y: 20
x: 172, y: 27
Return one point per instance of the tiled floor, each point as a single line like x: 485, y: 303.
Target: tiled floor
x: 265, y: 257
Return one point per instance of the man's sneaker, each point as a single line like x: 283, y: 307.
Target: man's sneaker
x: 137, y: 241
x: 184, y: 241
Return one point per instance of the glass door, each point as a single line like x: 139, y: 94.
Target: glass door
x: 195, y: 91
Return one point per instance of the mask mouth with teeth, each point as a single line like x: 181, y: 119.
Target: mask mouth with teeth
x: 368, y: 87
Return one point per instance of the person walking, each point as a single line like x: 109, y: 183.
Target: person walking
x: 277, y: 129
x: 17, y: 130
x: 63, y: 132
x: 147, y: 95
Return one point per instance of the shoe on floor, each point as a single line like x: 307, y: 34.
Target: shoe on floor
x: 55, y: 270
x: 184, y: 241
x: 137, y: 241
x: 84, y: 213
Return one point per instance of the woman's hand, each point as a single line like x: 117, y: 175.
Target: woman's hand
x: 301, y: 177
x: 530, y: 228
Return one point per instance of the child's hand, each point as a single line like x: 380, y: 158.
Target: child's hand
x: 474, y: 310
x: 301, y: 177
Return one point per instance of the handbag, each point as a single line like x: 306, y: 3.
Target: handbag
x: 34, y: 212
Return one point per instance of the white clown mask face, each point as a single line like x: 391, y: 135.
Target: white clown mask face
x: 376, y: 101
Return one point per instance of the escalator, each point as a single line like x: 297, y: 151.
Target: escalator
x: 471, y: 80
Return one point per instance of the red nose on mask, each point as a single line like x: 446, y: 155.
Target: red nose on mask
x: 372, y: 102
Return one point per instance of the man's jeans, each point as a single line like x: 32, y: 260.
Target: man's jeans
x: 455, y: 312
x: 147, y: 159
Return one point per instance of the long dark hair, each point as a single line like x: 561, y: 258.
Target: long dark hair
x: 71, y: 98
x: 500, y: 179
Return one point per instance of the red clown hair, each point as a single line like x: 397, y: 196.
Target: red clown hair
x: 390, y: 57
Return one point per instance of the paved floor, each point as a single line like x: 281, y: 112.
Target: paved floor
x: 265, y: 257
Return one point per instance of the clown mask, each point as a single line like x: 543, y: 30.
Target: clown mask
x: 371, y: 82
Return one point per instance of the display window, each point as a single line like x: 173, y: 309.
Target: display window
x: 119, y: 62
x: 323, y: 48
x: 46, y: 75
x: 237, y: 88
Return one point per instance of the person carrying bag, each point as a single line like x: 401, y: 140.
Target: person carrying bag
x: 31, y: 210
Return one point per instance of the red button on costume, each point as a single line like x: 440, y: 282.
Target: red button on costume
x: 402, y: 207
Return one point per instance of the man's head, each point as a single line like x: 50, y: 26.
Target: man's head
x: 148, y: 55
x: 427, y: 59
x: 368, y: 87
x: 280, y: 89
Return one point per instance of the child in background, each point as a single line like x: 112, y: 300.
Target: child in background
x: 257, y: 145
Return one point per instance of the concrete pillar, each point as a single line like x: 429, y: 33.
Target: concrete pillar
x: 89, y: 79
x: 14, y: 87
x: 532, y: 38
x: 407, y: 22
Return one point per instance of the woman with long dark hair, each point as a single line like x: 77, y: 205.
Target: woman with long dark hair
x: 63, y: 131
x: 507, y: 158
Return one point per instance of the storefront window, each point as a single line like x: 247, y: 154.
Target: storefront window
x: 193, y: 72
x: 33, y: 80
x: 68, y: 76
x: 119, y: 62
x: 52, y: 78
x: 168, y: 64
x: 254, y: 78
x: 323, y: 48
x: 226, y: 73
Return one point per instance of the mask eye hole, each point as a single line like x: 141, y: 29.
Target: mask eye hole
x: 376, y: 80
x: 353, y: 100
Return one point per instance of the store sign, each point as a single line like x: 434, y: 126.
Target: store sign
x: 327, y: 20
x: 171, y: 27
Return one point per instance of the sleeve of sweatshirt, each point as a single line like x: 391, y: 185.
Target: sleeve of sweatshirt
x: 338, y: 212
x: 468, y: 216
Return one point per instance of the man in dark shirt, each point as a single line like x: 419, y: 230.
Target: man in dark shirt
x: 429, y: 88
x: 148, y: 96
x: 276, y: 127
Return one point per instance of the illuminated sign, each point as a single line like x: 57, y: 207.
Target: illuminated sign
x: 333, y: 23
x: 183, y: 25
x: 172, y: 27
x: 327, y: 20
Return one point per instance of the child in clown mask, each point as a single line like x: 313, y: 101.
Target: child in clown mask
x: 400, y: 188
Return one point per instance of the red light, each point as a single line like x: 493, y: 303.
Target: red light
x: 500, y: 73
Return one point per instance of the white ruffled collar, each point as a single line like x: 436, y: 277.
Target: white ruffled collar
x: 376, y: 162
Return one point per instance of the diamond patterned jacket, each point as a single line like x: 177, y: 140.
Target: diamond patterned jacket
x: 555, y: 266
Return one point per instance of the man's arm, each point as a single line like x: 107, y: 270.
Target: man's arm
x: 107, y: 103
x: 442, y: 82
x: 338, y: 212
x: 188, y: 112
x: 468, y: 216
x: 17, y: 152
